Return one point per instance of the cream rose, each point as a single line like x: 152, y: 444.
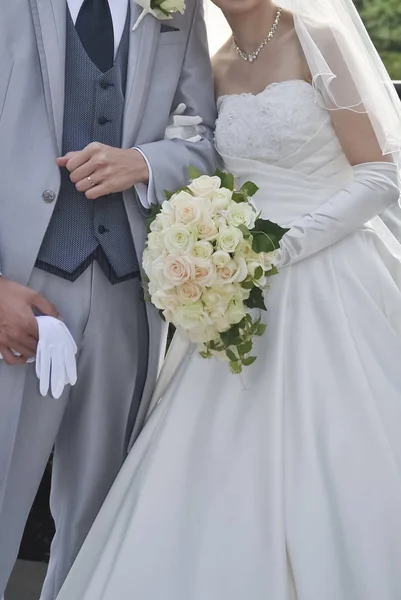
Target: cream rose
x: 177, y: 269
x: 220, y: 259
x: 205, y: 273
x: 205, y: 186
x: 236, y: 311
x: 191, y: 316
x: 187, y: 209
x: 221, y: 199
x: 241, y: 214
x: 202, y: 250
x: 179, y: 238
x: 166, y: 300
x: 189, y: 292
x: 207, y: 230
x: 172, y: 6
x: 228, y: 239
x: 234, y: 271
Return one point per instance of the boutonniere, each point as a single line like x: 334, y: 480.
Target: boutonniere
x: 160, y: 9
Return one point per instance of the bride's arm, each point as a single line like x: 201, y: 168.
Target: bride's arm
x: 374, y: 189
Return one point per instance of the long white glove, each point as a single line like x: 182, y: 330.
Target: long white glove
x: 184, y: 127
x: 56, y: 365
x: 373, y: 190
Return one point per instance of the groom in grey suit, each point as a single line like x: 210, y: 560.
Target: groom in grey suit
x: 84, y: 104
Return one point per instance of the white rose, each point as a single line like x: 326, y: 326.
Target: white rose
x: 205, y: 186
x: 178, y: 269
x: 223, y: 324
x: 220, y: 220
x: 201, y: 334
x: 234, y: 271
x: 172, y: 6
x: 162, y: 221
x: 205, y: 273
x: 155, y: 243
x: 241, y: 214
x: 154, y: 269
x: 191, y: 316
x: 207, y: 230
x: 166, y: 300
x: 221, y: 199
x: 228, y: 239
x: 189, y: 292
x: 236, y: 311
x: 220, y: 259
x: 267, y: 260
x: 216, y: 300
x: 179, y: 238
x: 202, y: 250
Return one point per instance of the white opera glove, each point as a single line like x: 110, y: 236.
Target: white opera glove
x: 56, y: 364
x: 373, y: 189
x: 184, y: 127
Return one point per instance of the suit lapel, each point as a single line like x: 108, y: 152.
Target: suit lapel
x: 49, y: 17
x: 142, y: 52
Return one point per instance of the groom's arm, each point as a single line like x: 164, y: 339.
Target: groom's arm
x: 169, y: 160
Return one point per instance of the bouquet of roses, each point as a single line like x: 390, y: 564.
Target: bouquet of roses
x: 207, y: 261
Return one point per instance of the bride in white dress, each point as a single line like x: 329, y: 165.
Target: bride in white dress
x: 283, y: 483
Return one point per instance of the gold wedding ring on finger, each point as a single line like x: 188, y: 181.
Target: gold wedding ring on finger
x: 92, y: 183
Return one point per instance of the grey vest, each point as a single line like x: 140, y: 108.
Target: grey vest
x: 82, y: 230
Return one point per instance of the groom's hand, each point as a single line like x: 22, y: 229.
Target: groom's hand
x: 99, y: 170
x: 18, y: 326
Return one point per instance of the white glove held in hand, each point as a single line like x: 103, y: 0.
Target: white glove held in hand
x: 56, y: 365
x: 373, y: 190
x: 184, y: 127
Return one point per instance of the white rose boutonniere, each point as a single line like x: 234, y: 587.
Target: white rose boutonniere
x: 160, y: 9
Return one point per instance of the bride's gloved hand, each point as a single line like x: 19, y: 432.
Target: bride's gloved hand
x: 373, y: 190
x: 184, y: 127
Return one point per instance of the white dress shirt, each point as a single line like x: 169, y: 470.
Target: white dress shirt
x: 118, y: 9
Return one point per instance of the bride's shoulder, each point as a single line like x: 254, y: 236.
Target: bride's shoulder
x: 221, y: 62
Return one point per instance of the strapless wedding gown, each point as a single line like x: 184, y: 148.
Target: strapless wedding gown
x: 283, y: 483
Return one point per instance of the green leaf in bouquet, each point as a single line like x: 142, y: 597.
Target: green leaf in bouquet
x: 249, y: 189
x: 194, y: 173
x: 236, y: 367
x: 247, y: 362
x: 231, y: 355
x: 228, y: 181
x: 238, y: 197
x: 247, y: 284
x: 263, y: 242
x: 205, y: 354
x: 258, y: 273
x: 168, y: 194
x: 256, y: 299
x: 273, y: 271
x: 244, y: 230
x: 245, y: 348
x: 261, y: 329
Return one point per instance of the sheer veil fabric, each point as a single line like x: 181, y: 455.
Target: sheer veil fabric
x: 345, y: 66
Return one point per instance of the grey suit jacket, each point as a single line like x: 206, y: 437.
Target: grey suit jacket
x: 166, y: 67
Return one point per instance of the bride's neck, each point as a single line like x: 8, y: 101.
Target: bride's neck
x: 251, y: 27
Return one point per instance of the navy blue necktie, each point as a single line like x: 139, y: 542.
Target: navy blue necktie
x: 95, y: 28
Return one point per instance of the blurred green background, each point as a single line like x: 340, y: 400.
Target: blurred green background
x: 383, y: 22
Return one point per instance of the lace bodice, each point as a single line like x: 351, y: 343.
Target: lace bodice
x: 270, y: 125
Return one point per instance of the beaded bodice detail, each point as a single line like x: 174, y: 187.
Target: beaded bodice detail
x: 270, y: 125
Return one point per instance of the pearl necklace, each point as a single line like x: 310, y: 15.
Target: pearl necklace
x: 254, y: 55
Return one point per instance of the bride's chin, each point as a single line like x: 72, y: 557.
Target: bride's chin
x: 237, y: 7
